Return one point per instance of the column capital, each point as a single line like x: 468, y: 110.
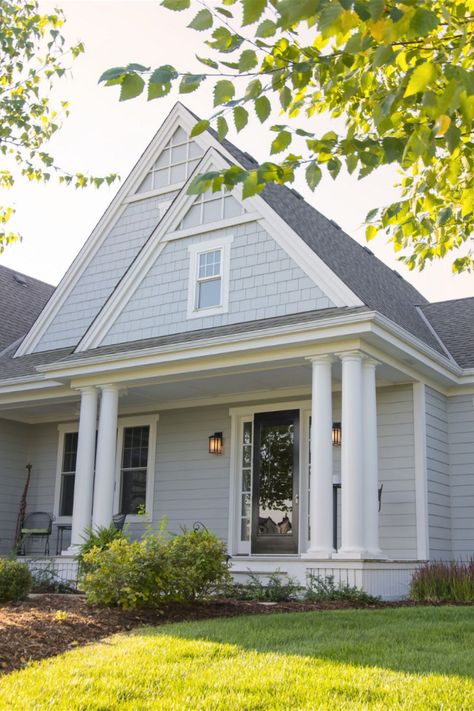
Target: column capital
x: 113, y: 388
x: 370, y: 362
x: 88, y: 390
x: 322, y: 358
x: 350, y: 355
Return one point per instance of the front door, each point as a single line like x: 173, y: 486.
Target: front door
x: 275, y: 482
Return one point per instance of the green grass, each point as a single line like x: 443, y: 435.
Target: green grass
x: 406, y: 658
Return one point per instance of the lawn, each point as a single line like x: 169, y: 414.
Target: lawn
x: 405, y: 658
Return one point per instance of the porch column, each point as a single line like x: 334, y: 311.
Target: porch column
x: 105, y: 460
x: 352, y: 459
x: 84, y: 478
x: 371, y: 472
x: 321, y: 491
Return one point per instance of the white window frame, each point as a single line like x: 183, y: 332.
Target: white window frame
x: 195, y: 250
x: 63, y: 429
x: 137, y: 421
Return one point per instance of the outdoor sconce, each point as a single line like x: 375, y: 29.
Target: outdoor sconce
x: 336, y: 434
x: 215, y: 443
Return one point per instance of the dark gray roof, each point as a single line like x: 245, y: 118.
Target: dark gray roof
x: 23, y: 366
x: 216, y: 332
x: 453, y: 321
x: 22, y: 299
x: 377, y: 286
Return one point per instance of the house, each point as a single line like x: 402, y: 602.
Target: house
x: 247, y: 365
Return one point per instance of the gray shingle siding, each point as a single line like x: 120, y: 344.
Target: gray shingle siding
x: 461, y: 463
x: 439, y: 495
x: 14, y: 456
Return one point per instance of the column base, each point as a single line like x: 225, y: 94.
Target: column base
x: 318, y: 554
x: 73, y: 550
x: 351, y: 554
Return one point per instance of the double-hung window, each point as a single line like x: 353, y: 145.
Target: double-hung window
x: 135, y: 465
x: 66, y: 472
x: 209, y: 278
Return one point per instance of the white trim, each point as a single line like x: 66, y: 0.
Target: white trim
x: 63, y: 429
x: 223, y: 244
x: 151, y: 421
x: 421, y: 471
x: 179, y: 116
x: 154, y: 193
x: 212, y: 226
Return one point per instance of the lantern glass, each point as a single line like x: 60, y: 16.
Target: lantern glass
x: 215, y: 443
x: 336, y: 434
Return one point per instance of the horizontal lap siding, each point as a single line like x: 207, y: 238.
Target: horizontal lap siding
x: 13, y: 461
x: 437, y: 459
x: 461, y: 460
x: 191, y: 484
x: 397, y: 472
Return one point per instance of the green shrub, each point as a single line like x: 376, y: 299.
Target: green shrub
x: 197, y: 565
x: 15, y: 580
x: 321, y: 589
x: 444, y: 582
x: 154, y: 570
x: 275, y: 587
x: 100, y: 538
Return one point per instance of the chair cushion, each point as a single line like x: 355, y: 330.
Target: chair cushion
x: 35, y: 531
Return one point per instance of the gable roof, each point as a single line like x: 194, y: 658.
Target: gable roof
x: 22, y: 299
x: 453, y: 321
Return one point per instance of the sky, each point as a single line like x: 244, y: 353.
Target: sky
x: 103, y: 135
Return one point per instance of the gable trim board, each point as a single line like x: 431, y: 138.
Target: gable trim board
x: 421, y: 471
x: 179, y: 116
x: 284, y: 236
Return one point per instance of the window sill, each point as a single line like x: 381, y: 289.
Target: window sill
x: 203, y: 313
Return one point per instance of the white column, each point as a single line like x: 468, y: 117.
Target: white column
x: 321, y: 511
x: 105, y: 460
x: 352, y: 459
x: 84, y: 478
x: 371, y: 470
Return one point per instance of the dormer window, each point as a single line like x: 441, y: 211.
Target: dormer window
x: 174, y: 165
x: 209, y: 268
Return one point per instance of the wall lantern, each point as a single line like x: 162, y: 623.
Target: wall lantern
x: 336, y: 434
x: 215, y: 443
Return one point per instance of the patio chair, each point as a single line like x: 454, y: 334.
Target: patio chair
x: 119, y: 521
x: 36, y: 526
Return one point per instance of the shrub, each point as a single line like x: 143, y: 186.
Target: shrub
x: 46, y: 579
x: 100, y: 538
x: 15, y: 580
x: 154, y: 570
x: 275, y: 587
x: 321, y: 589
x: 197, y: 565
x: 444, y: 582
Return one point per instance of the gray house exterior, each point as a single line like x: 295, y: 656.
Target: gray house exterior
x: 244, y: 364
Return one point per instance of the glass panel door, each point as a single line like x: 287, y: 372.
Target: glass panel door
x: 275, y: 483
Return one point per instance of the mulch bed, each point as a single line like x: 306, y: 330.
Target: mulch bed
x: 47, y: 624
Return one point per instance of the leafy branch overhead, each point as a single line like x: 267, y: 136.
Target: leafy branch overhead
x: 33, y: 56
x: 398, y: 74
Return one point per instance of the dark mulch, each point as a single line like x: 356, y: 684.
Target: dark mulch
x: 48, y: 624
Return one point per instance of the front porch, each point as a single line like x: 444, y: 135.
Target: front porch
x: 141, y: 444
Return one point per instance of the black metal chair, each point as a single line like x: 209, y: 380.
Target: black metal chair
x: 36, y: 526
x: 119, y: 521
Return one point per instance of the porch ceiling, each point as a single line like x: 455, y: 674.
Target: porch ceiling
x: 280, y: 379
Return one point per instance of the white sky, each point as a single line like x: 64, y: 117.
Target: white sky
x: 103, y: 135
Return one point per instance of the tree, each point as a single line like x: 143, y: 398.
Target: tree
x: 399, y: 73
x: 33, y: 55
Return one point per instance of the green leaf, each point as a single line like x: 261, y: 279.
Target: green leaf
x: 251, y: 185
x: 423, y: 22
x: 224, y: 91
x: 248, y: 60
x: 202, y: 21
x: 199, y: 127
x: 370, y: 232
x: 393, y: 149
x: 281, y: 142
x: 157, y: 91
x: 267, y: 28
x: 208, y: 62
x: 254, y: 89
x: 421, y: 77
x: 313, y: 175
x: 263, y: 108
x: 113, y: 73
x: 131, y: 86
x: 177, y: 5
x: 222, y: 128
x: 285, y: 97
x: 241, y: 117
x: 376, y: 9
x: 253, y: 10
x: 163, y: 75
x: 190, y: 82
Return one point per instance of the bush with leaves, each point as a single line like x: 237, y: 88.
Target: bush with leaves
x: 444, y: 582
x: 100, y: 538
x: 155, y: 570
x: 275, y: 587
x: 324, y: 589
x: 15, y: 580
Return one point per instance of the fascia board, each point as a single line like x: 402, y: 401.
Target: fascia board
x: 179, y: 115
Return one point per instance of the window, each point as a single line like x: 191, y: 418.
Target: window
x: 209, y: 278
x: 211, y: 207
x: 174, y: 165
x: 134, y: 467
x: 68, y: 473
